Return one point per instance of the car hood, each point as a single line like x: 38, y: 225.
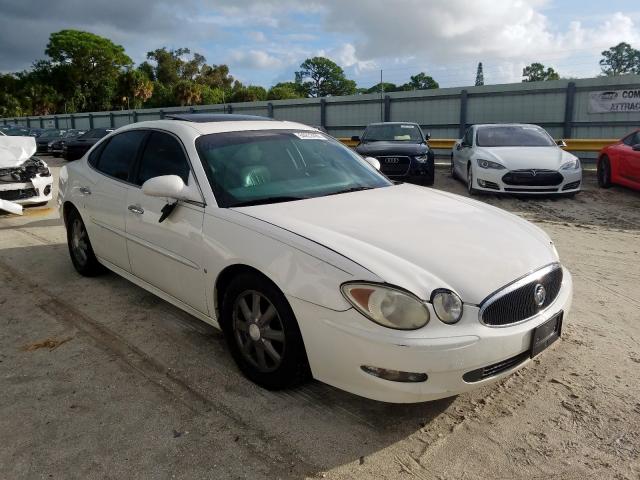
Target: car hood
x: 375, y: 149
x: 418, y: 238
x: 14, y: 151
x: 517, y: 158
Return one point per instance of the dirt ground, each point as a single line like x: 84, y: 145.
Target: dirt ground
x: 100, y: 379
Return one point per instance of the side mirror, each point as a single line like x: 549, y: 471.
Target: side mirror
x: 355, y: 138
x: 561, y: 143
x: 428, y: 136
x: 374, y: 162
x: 636, y: 147
x: 169, y: 186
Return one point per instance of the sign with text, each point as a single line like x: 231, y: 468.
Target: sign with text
x: 614, y: 101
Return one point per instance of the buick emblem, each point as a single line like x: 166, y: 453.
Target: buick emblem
x: 539, y: 294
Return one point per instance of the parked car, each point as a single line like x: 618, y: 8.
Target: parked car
x: 76, y: 147
x: 54, y: 147
x: 514, y: 158
x: 402, y: 150
x: 311, y: 261
x: 24, y: 179
x: 620, y: 163
x: 46, y: 137
x: 18, y: 131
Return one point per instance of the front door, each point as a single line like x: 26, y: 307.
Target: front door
x: 167, y: 254
x: 630, y: 158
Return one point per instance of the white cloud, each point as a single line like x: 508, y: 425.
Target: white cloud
x: 258, y: 59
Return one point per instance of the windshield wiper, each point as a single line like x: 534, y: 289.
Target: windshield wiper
x: 352, y: 189
x: 263, y: 201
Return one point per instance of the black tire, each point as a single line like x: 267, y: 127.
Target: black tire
x: 454, y: 175
x: 604, y: 172
x: 283, y: 361
x: 470, y: 189
x: 80, y: 249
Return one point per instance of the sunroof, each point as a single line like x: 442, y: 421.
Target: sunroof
x: 215, y: 117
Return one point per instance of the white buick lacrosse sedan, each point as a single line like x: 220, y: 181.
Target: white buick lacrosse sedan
x: 312, y: 262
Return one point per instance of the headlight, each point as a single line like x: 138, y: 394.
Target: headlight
x: 571, y: 164
x: 489, y: 164
x: 387, y: 306
x: 447, y: 305
x: 422, y: 158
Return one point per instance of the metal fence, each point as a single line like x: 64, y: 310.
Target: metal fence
x: 560, y: 106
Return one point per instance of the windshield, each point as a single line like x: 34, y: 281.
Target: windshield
x: 513, y: 136
x: 257, y: 167
x: 393, y: 132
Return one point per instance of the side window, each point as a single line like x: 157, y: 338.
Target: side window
x: 95, y: 155
x: 163, y: 155
x: 468, y: 137
x: 118, y: 155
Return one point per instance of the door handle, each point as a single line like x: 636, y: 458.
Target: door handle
x: 136, y: 209
x: 85, y: 190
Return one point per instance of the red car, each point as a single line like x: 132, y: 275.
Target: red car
x: 620, y: 163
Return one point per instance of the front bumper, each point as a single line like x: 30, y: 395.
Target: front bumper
x: 38, y: 190
x: 491, y: 180
x: 338, y: 344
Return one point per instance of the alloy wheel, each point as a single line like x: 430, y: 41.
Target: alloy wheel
x: 258, y: 330
x: 79, y: 242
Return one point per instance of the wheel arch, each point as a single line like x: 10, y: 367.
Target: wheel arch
x: 226, y: 276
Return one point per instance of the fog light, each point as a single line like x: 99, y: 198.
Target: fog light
x: 47, y: 190
x: 395, y: 375
x: 481, y: 183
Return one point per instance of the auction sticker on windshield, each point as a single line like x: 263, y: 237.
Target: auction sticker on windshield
x: 309, y: 136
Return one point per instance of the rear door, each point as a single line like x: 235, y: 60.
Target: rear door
x: 167, y: 254
x: 105, y: 195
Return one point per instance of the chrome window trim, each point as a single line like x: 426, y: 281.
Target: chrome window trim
x: 510, y: 287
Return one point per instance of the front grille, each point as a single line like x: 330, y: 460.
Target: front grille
x: 13, y: 195
x: 533, y: 178
x: 517, y: 302
x: 571, y: 186
x: 394, y: 165
x: 495, y: 369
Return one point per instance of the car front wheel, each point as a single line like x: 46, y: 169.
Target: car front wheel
x: 262, y: 333
x: 470, y: 189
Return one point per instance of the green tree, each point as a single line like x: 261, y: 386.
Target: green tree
x: 285, y: 91
x: 620, y: 60
x: 90, y: 63
x: 321, y: 77
x: 537, y: 72
x: 168, y: 64
x: 387, y: 87
x: 249, y: 93
x: 216, y: 76
x: 212, y: 96
x: 479, y: 75
x: 187, y: 92
x: 421, y: 81
x: 134, y: 89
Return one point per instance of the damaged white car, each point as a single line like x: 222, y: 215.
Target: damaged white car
x: 24, y: 179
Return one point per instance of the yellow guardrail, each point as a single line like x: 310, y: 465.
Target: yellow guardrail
x: 573, y: 144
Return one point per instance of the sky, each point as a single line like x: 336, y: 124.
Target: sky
x: 264, y: 42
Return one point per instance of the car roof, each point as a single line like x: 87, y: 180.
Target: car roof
x: 228, y: 124
x: 392, y: 123
x: 215, y: 117
x: 506, y: 125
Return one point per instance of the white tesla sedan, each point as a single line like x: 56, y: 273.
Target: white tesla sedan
x: 514, y: 158
x: 311, y: 261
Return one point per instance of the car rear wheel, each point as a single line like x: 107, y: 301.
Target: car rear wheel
x: 262, y: 333
x: 604, y: 172
x: 80, y: 249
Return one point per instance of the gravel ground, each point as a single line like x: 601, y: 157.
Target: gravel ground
x: 100, y: 379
